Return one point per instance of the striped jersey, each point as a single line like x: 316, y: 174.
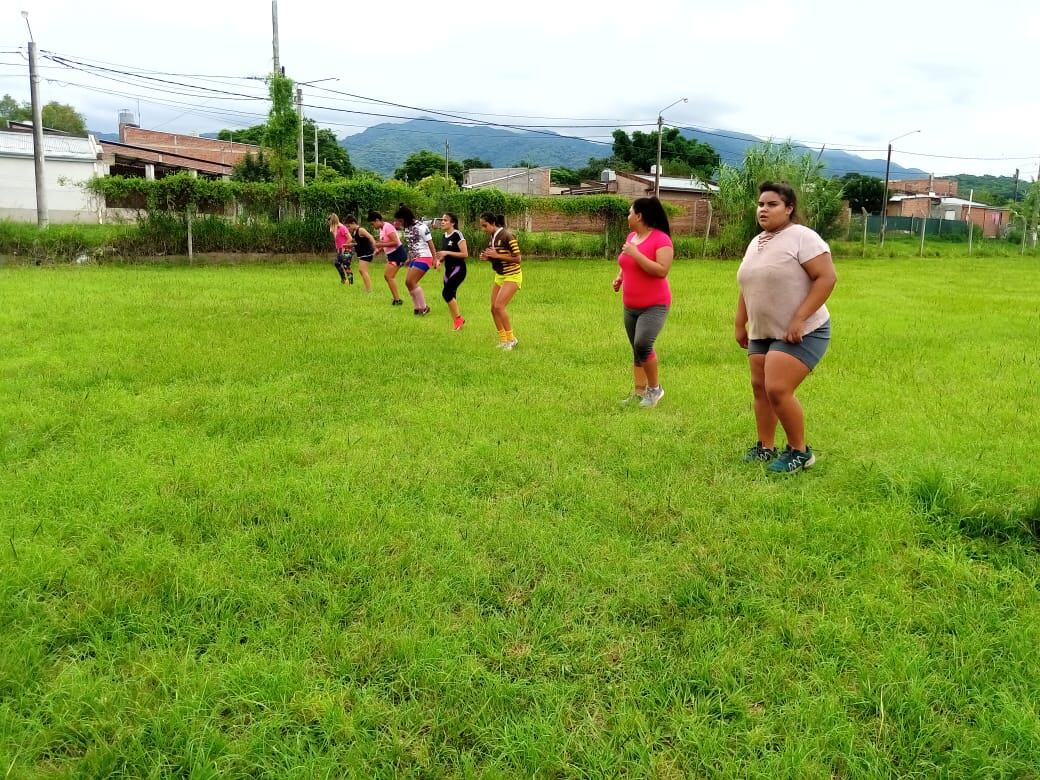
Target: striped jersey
x: 505, y: 242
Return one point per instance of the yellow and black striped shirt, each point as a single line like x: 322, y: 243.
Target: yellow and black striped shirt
x: 505, y: 243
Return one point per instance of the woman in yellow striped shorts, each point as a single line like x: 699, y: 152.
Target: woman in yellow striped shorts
x: 504, y: 253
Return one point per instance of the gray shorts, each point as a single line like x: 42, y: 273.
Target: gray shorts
x: 810, y: 351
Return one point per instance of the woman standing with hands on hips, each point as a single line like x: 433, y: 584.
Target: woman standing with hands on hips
x: 645, y: 261
x: 782, y: 320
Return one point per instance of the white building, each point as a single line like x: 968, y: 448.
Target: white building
x: 68, y: 164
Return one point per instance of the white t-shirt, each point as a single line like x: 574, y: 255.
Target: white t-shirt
x: 417, y: 236
x: 773, y: 282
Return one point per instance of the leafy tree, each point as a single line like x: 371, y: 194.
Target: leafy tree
x: 421, y: 164
x: 10, y: 109
x: 525, y: 164
x: 475, y: 162
x: 247, y: 135
x: 56, y: 116
x: 330, y: 153
x: 253, y: 168
x: 60, y: 116
x: 819, y: 197
x: 283, y: 125
x: 640, y: 151
x: 863, y: 192
x: 565, y: 177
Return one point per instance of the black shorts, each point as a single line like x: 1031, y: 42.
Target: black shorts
x: 399, y: 256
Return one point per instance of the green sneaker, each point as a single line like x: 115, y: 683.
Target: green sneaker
x: 791, y: 461
x: 760, y: 454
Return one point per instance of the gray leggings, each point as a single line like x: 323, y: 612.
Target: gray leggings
x: 643, y: 326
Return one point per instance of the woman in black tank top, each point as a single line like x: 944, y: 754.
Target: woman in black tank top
x: 364, y: 248
x: 453, y: 254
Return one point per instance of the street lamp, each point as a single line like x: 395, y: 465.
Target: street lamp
x: 660, y: 126
x: 888, y: 165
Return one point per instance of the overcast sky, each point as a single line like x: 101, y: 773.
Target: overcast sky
x: 850, y: 75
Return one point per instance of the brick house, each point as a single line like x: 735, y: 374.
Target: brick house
x: 153, y: 154
x: 993, y: 220
x: 945, y: 188
x: 690, y: 195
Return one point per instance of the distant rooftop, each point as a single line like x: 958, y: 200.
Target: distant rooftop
x: 63, y: 147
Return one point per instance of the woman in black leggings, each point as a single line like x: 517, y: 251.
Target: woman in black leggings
x: 453, y: 254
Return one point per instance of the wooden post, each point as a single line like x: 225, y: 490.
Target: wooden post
x: 707, y: 229
x: 190, y: 248
x: 924, y: 229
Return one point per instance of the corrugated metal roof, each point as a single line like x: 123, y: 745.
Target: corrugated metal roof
x: 57, y: 146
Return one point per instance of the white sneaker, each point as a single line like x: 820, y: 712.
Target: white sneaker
x: 510, y: 345
x: 652, y: 397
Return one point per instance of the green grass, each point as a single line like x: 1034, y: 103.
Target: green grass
x: 255, y: 525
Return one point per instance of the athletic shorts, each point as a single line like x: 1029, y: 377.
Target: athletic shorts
x: 365, y: 258
x: 517, y: 278
x: 810, y: 351
x: 398, y: 256
x: 422, y: 265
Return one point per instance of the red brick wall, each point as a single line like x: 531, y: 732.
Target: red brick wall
x: 565, y: 223
x: 946, y: 188
x: 224, y: 152
x: 916, y: 207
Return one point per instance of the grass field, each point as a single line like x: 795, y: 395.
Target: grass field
x: 256, y: 525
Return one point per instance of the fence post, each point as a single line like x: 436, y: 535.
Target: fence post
x: 190, y: 248
x: 707, y: 230
x: 924, y: 229
x: 865, y: 221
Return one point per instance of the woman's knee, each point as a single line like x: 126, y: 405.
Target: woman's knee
x: 777, y: 392
x: 447, y: 294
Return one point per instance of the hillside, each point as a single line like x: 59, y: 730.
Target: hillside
x: 382, y: 147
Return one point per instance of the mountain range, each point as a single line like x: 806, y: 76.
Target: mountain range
x: 383, y: 147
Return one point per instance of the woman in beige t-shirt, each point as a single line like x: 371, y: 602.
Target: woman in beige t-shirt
x: 782, y: 321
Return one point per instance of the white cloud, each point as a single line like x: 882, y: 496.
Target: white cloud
x: 846, y: 74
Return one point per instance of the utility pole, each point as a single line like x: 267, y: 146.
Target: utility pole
x: 971, y: 197
x: 299, y: 137
x: 315, y: 151
x: 1015, y: 198
x: 446, y: 152
x: 42, y: 218
x: 888, y: 166
x: 660, y: 128
x: 274, y: 37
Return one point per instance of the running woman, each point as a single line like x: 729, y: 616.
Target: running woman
x: 364, y: 249
x: 344, y: 242
x: 504, y: 253
x: 423, y: 253
x: 389, y: 243
x: 645, y: 261
x: 453, y: 254
x: 782, y: 321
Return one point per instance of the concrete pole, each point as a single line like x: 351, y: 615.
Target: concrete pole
x: 315, y: 151
x: 299, y: 137
x: 657, y: 169
x: 274, y: 37
x: 42, y: 218
x: 884, y: 201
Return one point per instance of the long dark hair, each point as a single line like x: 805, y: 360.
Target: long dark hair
x: 786, y: 193
x: 498, y: 220
x: 406, y: 215
x: 652, y: 213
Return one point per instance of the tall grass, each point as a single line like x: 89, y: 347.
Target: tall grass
x: 256, y: 524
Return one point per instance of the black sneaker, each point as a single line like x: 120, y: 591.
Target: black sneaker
x: 350, y: 278
x: 397, y: 302
x: 791, y: 461
x: 760, y: 454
